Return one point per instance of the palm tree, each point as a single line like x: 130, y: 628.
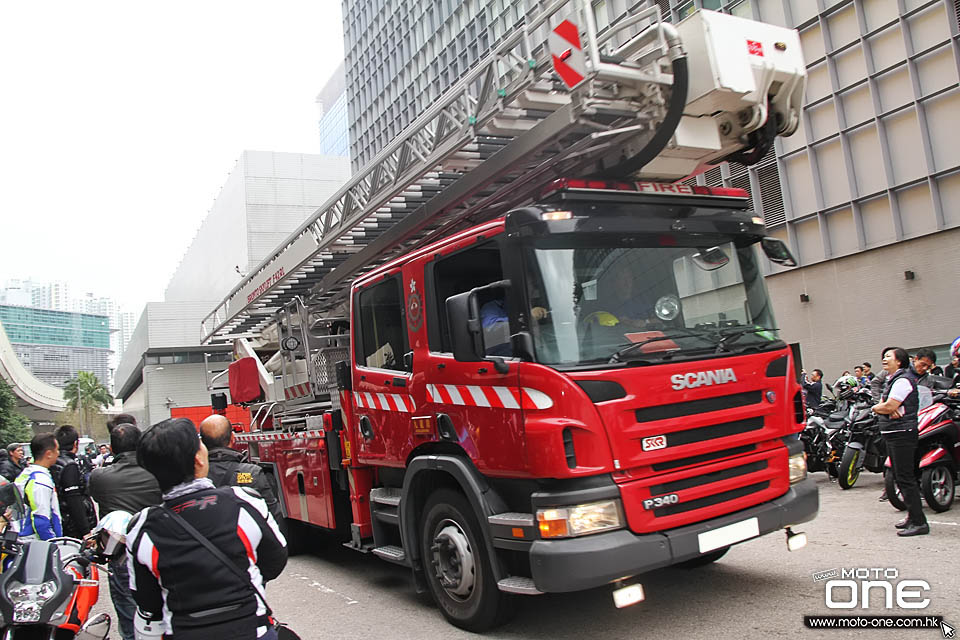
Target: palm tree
x: 86, y: 394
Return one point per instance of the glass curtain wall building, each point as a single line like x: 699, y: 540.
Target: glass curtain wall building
x: 867, y: 192
x: 55, y: 345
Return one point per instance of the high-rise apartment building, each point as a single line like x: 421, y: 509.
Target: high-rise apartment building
x: 55, y: 345
x: 867, y: 192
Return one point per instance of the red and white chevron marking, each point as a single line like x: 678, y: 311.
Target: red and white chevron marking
x: 297, y: 391
x: 496, y: 397
x: 278, y: 435
x: 384, y: 401
x: 568, y: 59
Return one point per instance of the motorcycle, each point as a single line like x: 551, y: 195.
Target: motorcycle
x: 825, y: 436
x: 47, y: 587
x: 938, y: 452
x: 864, y: 447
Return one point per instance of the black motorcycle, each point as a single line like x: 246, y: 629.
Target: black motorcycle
x: 864, y: 448
x: 824, y: 436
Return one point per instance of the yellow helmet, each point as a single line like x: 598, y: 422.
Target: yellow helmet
x: 602, y: 318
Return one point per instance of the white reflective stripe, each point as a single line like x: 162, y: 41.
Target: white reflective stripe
x: 404, y: 403
x: 369, y: 401
x: 359, y: 398
x: 539, y: 398
x: 479, y: 399
x: 506, y: 398
x: 454, y: 394
x: 432, y: 393
x: 384, y: 404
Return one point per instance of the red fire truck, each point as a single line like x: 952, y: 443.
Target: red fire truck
x: 517, y: 383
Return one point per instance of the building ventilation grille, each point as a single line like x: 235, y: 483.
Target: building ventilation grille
x: 768, y: 176
x: 956, y: 10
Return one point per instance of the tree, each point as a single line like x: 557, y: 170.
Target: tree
x: 14, y: 426
x: 86, y: 395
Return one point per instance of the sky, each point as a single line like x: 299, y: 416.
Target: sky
x: 121, y: 120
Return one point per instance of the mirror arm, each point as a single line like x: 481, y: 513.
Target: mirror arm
x: 499, y: 364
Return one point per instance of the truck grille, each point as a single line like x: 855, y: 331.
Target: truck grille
x: 716, y: 476
x: 721, y: 430
x: 706, y: 457
x: 708, y: 501
x: 704, y: 405
x: 705, y: 491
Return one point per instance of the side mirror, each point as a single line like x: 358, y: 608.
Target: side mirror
x: 463, y: 318
x: 777, y: 251
x: 466, y: 327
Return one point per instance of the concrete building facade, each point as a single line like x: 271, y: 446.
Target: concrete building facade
x: 866, y: 193
x: 266, y: 196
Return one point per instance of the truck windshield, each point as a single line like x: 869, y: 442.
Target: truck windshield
x: 591, y: 305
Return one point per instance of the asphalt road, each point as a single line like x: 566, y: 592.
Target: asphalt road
x: 758, y: 589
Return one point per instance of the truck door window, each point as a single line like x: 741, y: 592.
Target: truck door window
x: 462, y: 271
x: 383, y: 332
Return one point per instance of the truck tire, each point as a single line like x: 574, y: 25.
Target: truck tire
x: 701, y: 561
x: 456, y: 564
x: 849, y: 471
x: 893, y: 491
x: 937, y: 487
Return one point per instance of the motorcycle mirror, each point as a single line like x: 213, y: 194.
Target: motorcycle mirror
x: 11, y: 502
x: 96, y: 628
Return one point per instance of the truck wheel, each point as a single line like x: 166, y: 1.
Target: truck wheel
x: 893, y: 491
x: 701, y: 561
x: 456, y: 563
x: 937, y: 486
x: 849, y: 471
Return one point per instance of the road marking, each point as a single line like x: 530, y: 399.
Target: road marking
x: 325, y: 589
x: 950, y: 524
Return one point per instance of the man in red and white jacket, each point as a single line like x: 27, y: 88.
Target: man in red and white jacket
x: 174, y: 579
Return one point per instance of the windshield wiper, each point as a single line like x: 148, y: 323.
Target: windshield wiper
x: 667, y: 335
x: 733, y: 336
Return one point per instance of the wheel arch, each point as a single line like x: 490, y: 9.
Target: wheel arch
x: 428, y: 472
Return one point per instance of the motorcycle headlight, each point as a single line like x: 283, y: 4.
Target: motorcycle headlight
x: 798, y: 468
x: 28, y: 599
x: 579, y: 520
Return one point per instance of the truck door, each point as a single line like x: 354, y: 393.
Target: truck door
x: 473, y: 404
x: 381, y: 385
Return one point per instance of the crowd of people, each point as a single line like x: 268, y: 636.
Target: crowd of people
x: 898, y: 392
x: 204, y: 533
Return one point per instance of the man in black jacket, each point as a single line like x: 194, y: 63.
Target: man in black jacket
x: 202, y: 597
x: 13, y: 465
x: 228, y: 467
x: 76, y: 508
x: 123, y: 486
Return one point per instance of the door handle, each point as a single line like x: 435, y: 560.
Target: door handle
x: 366, y: 428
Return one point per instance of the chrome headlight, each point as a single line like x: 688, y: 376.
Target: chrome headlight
x: 28, y: 599
x: 798, y: 467
x: 579, y: 520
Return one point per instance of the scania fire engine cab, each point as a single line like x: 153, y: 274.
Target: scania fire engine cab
x: 514, y: 382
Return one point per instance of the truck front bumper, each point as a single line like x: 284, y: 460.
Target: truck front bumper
x: 594, y: 560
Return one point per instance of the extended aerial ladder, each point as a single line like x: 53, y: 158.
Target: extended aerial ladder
x: 642, y: 98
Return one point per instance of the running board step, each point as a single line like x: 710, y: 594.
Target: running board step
x: 391, y: 553
x: 386, y: 495
x: 518, y: 584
